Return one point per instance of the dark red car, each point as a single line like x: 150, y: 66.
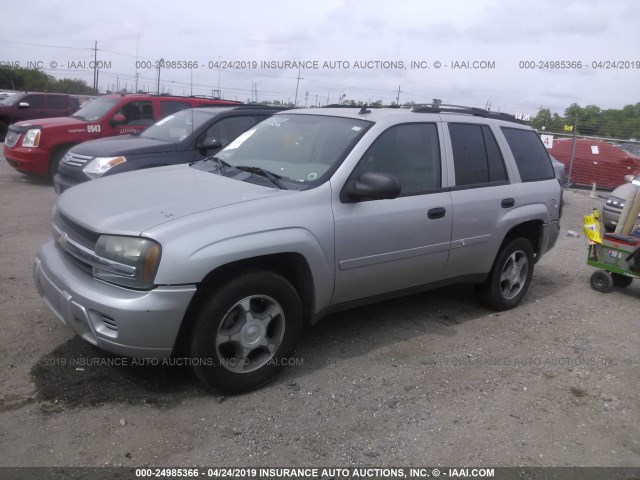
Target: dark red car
x: 30, y: 105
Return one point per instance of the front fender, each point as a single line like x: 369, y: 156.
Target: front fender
x: 194, y: 267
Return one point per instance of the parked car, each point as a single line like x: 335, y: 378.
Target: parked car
x: 224, y: 261
x: 36, y: 147
x: 615, y: 203
x: 33, y: 105
x: 183, y: 137
x: 595, y: 161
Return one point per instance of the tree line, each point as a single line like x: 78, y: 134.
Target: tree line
x: 592, y: 121
x: 23, y: 79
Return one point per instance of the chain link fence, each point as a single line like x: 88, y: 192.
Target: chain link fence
x: 593, y: 162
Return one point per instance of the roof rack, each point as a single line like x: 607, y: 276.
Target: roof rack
x: 478, y: 112
x: 255, y: 106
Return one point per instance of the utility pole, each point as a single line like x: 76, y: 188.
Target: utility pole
x: 398, y: 96
x: 160, y: 63
x: 137, y: 42
x: 95, y: 67
x: 306, y: 99
x: 295, y: 102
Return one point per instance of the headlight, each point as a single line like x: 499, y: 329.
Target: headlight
x: 101, y: 165
x: 128, y: 261
x: 31, y: 138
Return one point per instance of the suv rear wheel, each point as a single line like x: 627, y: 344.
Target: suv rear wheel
x: 245, y: 332
x: 510, y: 276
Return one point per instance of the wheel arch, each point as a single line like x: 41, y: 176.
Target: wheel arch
x: 290, y: 265
x: 530, y: 230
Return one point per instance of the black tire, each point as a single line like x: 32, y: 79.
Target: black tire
x: 601, y: 281
x: 621, y: 281
x: 244, y: 363
x: 55, y: 161
x: 4, y: 128
x: 510, y: 276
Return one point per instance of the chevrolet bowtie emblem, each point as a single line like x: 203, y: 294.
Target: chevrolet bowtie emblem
x: 62, y: 240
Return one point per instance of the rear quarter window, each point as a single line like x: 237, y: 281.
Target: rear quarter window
x: 530, y: 154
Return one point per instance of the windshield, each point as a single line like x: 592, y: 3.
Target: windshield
x: 178, y: 126
x: 95, y: 109
x: 301, y: 148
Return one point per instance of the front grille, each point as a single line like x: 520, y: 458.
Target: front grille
x: 76, y: 232
x: 11, y: 138
x: 76, y: 160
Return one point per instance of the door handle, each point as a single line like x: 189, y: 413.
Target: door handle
x: 437, y: 212
x: 508, y: 203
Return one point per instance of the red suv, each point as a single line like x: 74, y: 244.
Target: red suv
x: 35, y: 147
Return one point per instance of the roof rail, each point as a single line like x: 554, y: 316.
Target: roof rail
x: 479, y: 112
x: 255, y: 106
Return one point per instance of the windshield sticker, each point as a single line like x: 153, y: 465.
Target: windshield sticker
x: 275, y: 121
x: 241, y: 139
x: 312, y: 176
x: 165, y: 119
x: 356, y: 128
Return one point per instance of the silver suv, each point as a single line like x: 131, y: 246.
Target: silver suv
x: 224, y: 261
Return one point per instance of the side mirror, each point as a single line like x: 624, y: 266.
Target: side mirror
x: 628, y: 178
x: 118, y: 119
x: 371, y: 186
x: 209, y: 143
x: 23, y: 105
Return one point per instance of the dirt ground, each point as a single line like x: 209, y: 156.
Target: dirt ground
x: 432, y: 379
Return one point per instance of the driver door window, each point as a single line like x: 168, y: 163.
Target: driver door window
x: 411, y: 152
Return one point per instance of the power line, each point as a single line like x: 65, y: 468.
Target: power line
x: 45, y: 46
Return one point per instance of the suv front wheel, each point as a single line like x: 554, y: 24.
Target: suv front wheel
x: 246, y: 331
x: 510, y: 276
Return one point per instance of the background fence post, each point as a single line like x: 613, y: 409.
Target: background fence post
x: 573, y: 150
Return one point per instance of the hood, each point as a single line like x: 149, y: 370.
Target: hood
x: 52, y: 122
x: 131, y: 203
x: 623, y: 191
x: 119, y: 145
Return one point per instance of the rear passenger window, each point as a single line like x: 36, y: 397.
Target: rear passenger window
x: 168, y: 107
x: 530, y: 154
x: 57, y: 103
x: 411, y: 152
x: 476, y: 156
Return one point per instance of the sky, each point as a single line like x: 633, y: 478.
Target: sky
x: 505, y: 55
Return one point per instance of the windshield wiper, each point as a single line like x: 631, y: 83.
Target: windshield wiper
x: 80, y: 117
x: 218, y: 161
x: 275, y: 179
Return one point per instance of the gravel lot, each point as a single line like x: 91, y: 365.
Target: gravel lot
x: 432, y: 379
